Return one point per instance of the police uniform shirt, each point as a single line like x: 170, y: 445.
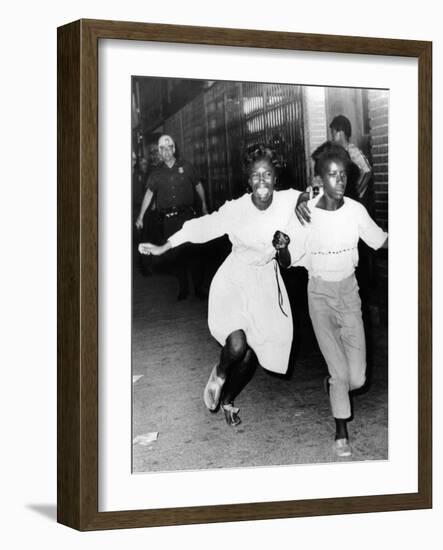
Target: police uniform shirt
x: 173, y: 187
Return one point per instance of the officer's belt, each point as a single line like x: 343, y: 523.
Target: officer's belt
x: 176, y: 211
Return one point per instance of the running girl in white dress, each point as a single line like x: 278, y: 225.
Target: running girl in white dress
x: 248, y: 307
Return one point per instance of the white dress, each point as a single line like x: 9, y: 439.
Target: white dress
x: 247, y: 292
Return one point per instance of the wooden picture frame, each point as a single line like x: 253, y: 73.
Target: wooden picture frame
x: 77, y: 457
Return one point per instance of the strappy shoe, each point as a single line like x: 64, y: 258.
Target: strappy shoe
x: 212, y: 392
x: 231, y: 414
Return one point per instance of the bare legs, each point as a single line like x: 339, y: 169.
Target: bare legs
x: 240, y: 375
x: 234, y: 371
x: 232, y: 352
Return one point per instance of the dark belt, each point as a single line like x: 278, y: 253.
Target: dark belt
x: 176, y: 211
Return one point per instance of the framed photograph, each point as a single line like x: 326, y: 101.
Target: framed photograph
x: 236, y: 338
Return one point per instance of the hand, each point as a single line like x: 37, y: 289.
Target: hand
x: 301, y: 208
x: 148, y: 249
x: 280, y: 240
x: 139, y: 223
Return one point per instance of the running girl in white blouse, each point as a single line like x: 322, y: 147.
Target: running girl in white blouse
x: 328, y: 248
x: 248, y: 307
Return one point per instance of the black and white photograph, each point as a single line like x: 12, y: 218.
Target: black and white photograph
x: 259, y: 274
x: 208, y: 340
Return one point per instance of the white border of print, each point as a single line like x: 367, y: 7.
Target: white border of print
x: 118, y: 488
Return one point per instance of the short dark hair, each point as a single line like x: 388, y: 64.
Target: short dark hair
x: 341, y: 124
x: 329, y: 152
x: 261, y: 151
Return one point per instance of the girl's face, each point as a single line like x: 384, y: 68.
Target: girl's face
x: 334, y: 180
x: 261, y: 179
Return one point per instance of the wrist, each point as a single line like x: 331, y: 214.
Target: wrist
x: 303, y: 197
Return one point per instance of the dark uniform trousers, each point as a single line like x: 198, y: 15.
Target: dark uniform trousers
x: 186, y: 257
x: 174, y: 190
x: 152, y: 232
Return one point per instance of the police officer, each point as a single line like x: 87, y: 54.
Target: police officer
x: 173, y: 184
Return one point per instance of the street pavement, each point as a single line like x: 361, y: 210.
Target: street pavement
x: 285, y: 419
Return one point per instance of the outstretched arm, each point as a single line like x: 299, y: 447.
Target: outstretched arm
x: 148, y: 248
x: 197, y: 231
x: 203, y: 229
x: 280, y: 242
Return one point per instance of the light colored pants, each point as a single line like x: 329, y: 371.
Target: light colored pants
x: 335, y: 310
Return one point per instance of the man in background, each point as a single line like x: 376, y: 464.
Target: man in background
x: 361, y: 173
x: 173, y: 186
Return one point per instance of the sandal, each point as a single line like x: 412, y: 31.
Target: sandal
x: 231, y: 414
x: 212, y: 392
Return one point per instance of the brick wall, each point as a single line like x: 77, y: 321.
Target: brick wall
x: 378, y: 112
x: 378, y: 124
